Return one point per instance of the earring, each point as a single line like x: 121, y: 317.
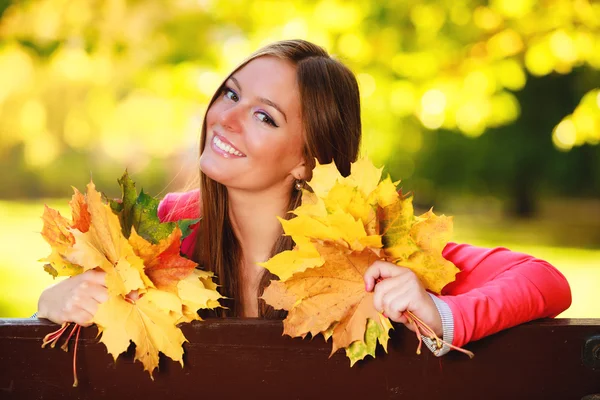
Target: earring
x: 299, y: 184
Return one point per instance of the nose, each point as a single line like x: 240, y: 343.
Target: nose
x: 230, y: 118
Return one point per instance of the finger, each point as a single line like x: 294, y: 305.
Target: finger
x: 98, y: 293
x: 134, y: 295
x: 384, y: 288
x: 85, y: 303
x: 379, y: 269
x: 91, y: 288
x: 82, y: 317
x: 95, y: 277
x: 394, y: 305
x: 396, y: 284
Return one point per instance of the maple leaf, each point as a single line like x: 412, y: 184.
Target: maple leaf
x: 162, y: 262
x: 288, y: 262
x: 79, y: 212
x: 332, y: 293
x: 417, y: 243
x: 145, y: 323
x: 374, y: 333
x: 56, y: 230
x: 197, y: 291
x: 58, y: 266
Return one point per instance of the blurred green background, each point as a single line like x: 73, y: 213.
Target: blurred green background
x: 489, y: 111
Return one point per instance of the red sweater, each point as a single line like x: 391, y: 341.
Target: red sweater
x: 494, y: 290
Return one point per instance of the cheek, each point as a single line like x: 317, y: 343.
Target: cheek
x: 211, y: 114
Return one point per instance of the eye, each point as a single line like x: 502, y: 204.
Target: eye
x: 264, y: 118
x: 230, y: 94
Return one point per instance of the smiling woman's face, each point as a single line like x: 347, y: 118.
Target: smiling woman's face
x: 254, y: 137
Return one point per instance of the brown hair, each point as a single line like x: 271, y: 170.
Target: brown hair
x: 330, y: 106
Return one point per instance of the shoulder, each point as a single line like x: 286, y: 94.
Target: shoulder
x: 179, y: 205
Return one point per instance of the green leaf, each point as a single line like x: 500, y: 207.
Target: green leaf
x: 128, y: 203
x: 141, y: 213
x: 373, y: 333
x: 186, y: 226
x: 145, y: 219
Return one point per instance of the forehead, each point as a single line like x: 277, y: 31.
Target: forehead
x: 272, y: 78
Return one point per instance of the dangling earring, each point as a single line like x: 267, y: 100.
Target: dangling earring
x: 299, y: 184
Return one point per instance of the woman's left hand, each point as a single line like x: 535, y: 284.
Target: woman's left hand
x: 396, y: 290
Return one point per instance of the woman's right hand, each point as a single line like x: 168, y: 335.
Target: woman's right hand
x: 75, y: 299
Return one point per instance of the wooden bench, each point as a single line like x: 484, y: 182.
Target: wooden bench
x: 245, y: 359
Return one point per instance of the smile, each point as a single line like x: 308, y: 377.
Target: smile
x: 226, y: 148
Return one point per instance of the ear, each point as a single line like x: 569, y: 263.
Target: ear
x: 299, y: 171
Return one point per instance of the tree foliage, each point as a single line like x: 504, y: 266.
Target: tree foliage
x: 129, y: 80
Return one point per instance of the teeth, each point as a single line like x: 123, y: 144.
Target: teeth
x: 226, y: 147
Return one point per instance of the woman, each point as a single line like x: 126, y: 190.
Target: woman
x: 288, y: 104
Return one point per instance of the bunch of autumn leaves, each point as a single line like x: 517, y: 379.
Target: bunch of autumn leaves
x: 139, y: 255
x: 341, y: 228
x: 343, y: 225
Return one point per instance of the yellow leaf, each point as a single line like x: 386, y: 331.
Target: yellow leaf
x: 145, y: 324
x: 431, y: 235
x: 288, y: 262
x: 306, y: 226
x: 312, y: 206
x: 194, y: 294
x: 345, y: 227
x: 323, y: 179
x: 349, y: 199
x: 58, y: 266
x: 364, y: 175
x: 385, y: 194
x: 105, y: 227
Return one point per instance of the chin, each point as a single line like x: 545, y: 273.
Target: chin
x: 211, y: 169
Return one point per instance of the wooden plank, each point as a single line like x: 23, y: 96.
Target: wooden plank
x: 249, y: 358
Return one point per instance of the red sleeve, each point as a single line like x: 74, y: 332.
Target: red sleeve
x: 497, y: 289
x: 178, y: 206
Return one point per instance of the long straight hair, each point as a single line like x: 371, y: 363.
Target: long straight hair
x: 330, y: 106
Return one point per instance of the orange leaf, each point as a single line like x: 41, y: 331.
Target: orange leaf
x: 319, y: 297
x: 163, y: 263
x: 56, y: 230
x: 79, y: 210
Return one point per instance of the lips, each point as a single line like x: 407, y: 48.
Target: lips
x: 225, y: 147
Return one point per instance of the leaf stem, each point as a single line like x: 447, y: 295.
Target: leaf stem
x: 75, y: 380
x: 421, y: 329
x: 65, y: 345
x: 53, y: 337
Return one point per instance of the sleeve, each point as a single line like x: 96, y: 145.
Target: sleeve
x: 497, y: 289
x: 178, y: 206
x: 447, y: 328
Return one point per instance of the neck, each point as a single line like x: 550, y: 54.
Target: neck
x: 253, y: 217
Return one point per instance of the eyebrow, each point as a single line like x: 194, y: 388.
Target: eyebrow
x: 261, y: 99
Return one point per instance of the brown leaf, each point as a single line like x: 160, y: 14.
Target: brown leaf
x: 321, y: 296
